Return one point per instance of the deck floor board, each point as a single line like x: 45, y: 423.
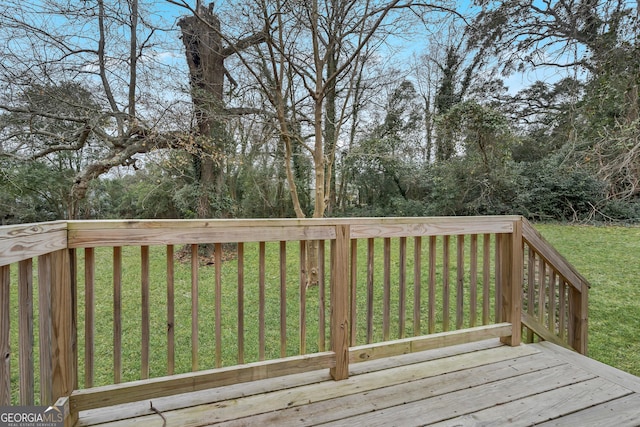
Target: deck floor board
x: 467, y: 385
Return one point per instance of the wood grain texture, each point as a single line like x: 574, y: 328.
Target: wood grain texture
x: 283, y: 299
x: 486, y: 275
x: 145, y: 296
x: 473, y: 281
x: 460, y: 281
x: 370, y: 288
x: 140, y: 234
x: 302, y: 288
x: 117, y: 315
x: 25, y: 332
x: 512, y: 232
x: 417, y: 285
x: 386, y: 289
x: 339, y: 295
x: 427, y: 342
x: 353, y: 295
x: 195, y: 283
x: 89, y: 316
x: 218, y: 302
x: 22, y: 242
x: 62, y: 340
x: 446, y: 291
x: 44, y: 329
x: 402, y: 285
x: 163, y: 232
x: 322, y: 297
x: 431, y: 310
x: 240, y: 303
x: 462, y: 385
x: 552, y: 256
x: 171, y: 319
x: 5, y: 334
x: 182, y: 383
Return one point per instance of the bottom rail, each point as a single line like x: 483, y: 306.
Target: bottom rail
x: 428, y: 342
x: 134, y: 391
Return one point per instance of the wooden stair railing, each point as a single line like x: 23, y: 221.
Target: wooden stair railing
x: 555, y: 295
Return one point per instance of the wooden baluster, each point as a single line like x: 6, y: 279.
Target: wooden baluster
x: 145, y: 309
x: 417, y: 285
x: 446, y: 293
x: 25, y: 331
x: 302, y: 318
x: 171, y: 317
x: 354, y: 291
x: 542, y: 289
x: 562, y: 321
x: 552, y: 301
x: 460, y: 282
x: 73, y: 282
x: 473, y: 283
x: 217, y: 263
x: 432, y: 285
x: 89, y: 315
x: 531, y: 288
x: 283, y: 299
x: 402, y: 291
x: 5, y: 334
x: 261, y: 300
x: 321, y: 297
x: 499, y: 276
x: 486, y: 279
x: 386, y: 294
x: 117, y: 315
x: 370, y: 290
x: 44, y: 329
x: 195, y: 267
x: 240, y: 303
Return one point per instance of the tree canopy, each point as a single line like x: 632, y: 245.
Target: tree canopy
x: 258, y: 108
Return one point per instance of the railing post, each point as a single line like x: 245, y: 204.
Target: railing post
x: 578, y: 318
x: 339, y: 301
x: 62, y: 313
x: 511, y: 265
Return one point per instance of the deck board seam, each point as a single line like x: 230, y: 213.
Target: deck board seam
x: 425, y: 378
x: 605, y: 402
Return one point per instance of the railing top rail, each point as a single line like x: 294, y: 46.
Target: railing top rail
x: 150, y: 232
x: 24, y: 241
x: 18, y: 242
x: 279, y: 222
x: 553, y: 257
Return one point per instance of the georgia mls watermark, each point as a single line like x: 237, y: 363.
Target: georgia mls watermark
x: 31, y: 416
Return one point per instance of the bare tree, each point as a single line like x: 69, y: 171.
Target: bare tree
x: 206, y: 50
x: 110, y: 48
x: 309, y: 68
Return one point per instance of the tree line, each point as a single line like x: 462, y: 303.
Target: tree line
x: 283, y: 108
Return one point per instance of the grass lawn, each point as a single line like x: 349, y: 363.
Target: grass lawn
x: 609, y: 258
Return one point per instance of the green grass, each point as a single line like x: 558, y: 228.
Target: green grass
x: 206, y: 321
x: 609, y: 258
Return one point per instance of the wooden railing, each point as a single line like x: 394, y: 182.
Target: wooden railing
x: 555, y: 299
x: 128, y: 310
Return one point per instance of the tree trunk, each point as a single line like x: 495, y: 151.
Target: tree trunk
x: 205, y: 58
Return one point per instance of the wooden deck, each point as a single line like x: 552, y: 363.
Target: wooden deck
x: 482, y: 383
